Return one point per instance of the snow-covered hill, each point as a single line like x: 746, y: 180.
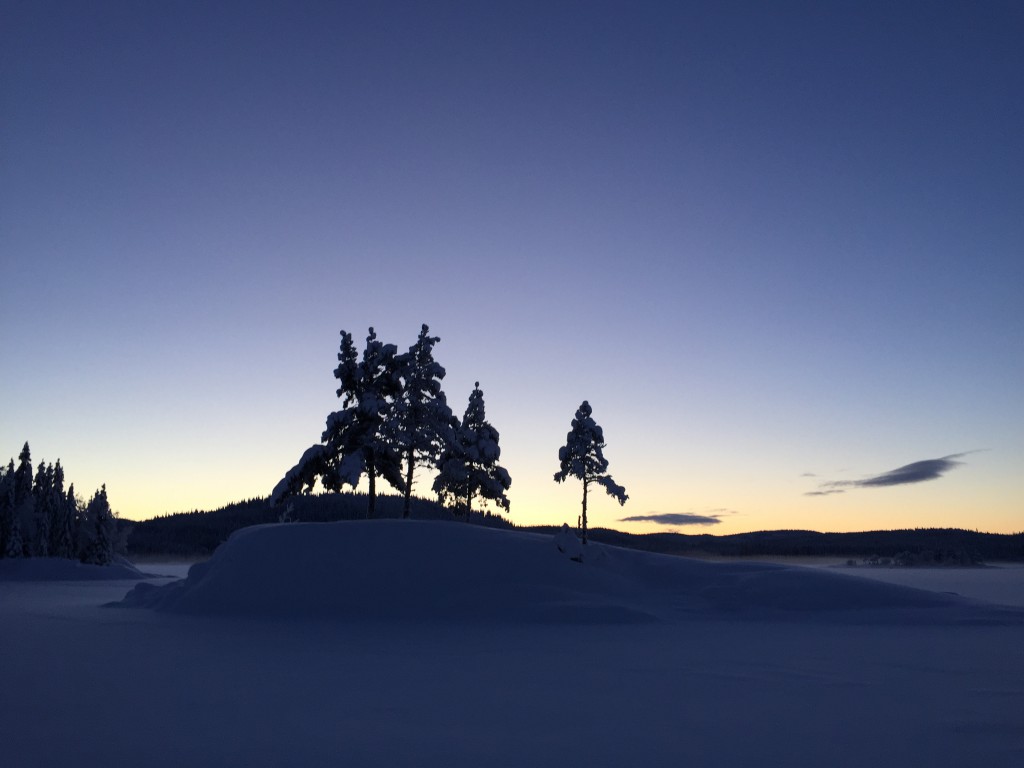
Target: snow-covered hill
x: 426, y: 571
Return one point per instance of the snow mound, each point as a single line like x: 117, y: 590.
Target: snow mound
x: 440, y: 571
x: 61, y: 569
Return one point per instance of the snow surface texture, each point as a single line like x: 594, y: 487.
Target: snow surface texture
x: 438, y: 571
x: 62, y: 569
x: 89, y: 686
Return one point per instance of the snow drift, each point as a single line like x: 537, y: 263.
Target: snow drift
x: 437, y: 571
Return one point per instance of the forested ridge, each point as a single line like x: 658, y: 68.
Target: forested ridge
x: 917, y: 546
x: 196, y: 534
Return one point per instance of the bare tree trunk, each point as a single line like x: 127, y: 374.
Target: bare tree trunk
x: 410, y: 466
x: 584, y: 510
x: 371, y: 501
x: 469, y: 503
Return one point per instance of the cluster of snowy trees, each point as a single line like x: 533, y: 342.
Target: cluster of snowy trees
x: 38, y: 518
x: 395, y: 418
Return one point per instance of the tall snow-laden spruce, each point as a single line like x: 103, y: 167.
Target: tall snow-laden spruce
x: 23, y: 526
x: 42, y: 512
x: 469, y: 464
x: 98, y: 531
x: 76, y: 511
x: 359, y: 439
x: 582, y: 457
x: 423, y: 420
x: 62, y: 528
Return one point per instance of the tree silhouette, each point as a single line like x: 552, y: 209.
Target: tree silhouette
x: 98, y: 531
x: 469, y: 465
x: 359, y: 439
x: 38, y: 518
x: 10, y: 528
x: 42, y: 515
x: 63, y: 514
x: 582, y: 457
x: 423, y: 420
x: 22, y: 527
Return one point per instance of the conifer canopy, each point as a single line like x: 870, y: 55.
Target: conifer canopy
x: 582, y: 457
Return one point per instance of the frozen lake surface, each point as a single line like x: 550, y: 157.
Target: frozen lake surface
x: 696, y: 675
x: 997, y: 583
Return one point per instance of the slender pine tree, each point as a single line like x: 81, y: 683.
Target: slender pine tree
x: 74, y: 511
x: 61, y: 540
x: 582, y: 457
x: 24, y: 505
x: 42, y: 517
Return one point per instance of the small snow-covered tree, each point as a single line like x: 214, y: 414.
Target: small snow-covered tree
x: 582, y: 457
x: 358, y: 439
x: 422, y: 422
x: 469, y: 465
x: 99, y: 530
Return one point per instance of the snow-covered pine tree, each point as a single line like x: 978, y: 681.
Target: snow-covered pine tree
x: 101, y: 530
x: 423, y: 419
x: 469, y: 465
x: 6, y: 505
x: 24, y: 504
x: 357, y: 439
x: 42, y: 513
x: 74, y: 509
x: 61, y: 533
x: 14, y: 547
x: 582, y: 457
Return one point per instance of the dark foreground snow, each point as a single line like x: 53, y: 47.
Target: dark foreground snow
x: 62, y: 569
x: 275, y: 655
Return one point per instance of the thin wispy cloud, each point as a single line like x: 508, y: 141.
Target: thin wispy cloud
x: 915, y: 472
x: 677, y: 518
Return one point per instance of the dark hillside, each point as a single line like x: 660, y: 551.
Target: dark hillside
x: 197, y: 534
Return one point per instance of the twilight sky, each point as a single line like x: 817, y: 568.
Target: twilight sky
x: 778, y: 246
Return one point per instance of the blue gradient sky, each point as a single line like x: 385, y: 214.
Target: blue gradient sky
x: 764, y: 240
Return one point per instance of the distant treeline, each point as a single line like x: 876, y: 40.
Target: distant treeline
x: 196, y: 534
x: 918, y: 546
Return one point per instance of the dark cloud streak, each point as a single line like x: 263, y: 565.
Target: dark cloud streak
x: 915, y: 472
x: 919, y: 471
x: 673, y: 518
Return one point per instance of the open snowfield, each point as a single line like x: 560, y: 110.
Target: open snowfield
x: 432, y: 644
x: 1000, y: 583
